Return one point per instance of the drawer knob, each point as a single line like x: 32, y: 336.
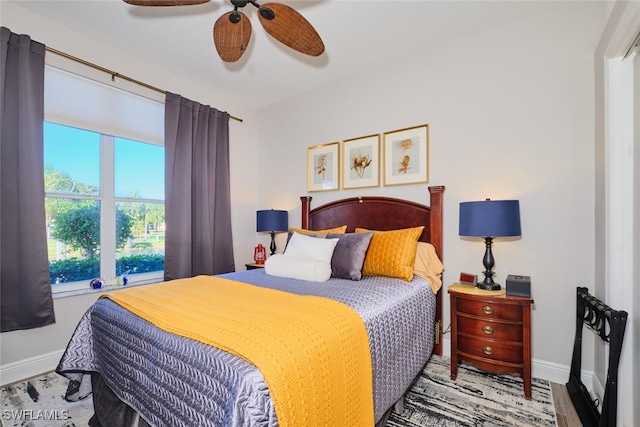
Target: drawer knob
x: 487, y: 329
x: 487, y: 350
x: 487, y: 309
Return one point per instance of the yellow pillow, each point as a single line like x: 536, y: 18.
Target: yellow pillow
x: 392, y: 253
x: 337, y: 230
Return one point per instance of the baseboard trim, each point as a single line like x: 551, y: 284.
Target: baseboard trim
x: 557, y: 373
x: 31, y: 367
x: 550, y: 371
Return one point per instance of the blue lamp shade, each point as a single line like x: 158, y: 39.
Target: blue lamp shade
x: 490, y: 218
x: 272, y: 221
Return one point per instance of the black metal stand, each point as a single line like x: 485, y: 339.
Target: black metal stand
x: 609, y: 324
x: 488, y: 261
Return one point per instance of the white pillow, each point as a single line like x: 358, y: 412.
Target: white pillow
x: 296, y: 267
x: 311, y: 247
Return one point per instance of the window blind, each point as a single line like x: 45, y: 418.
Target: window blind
x: 74, y: 100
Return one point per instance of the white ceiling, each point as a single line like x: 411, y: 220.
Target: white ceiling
x: 358, y: 35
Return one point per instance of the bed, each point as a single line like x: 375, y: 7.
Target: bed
x: 141, y: 374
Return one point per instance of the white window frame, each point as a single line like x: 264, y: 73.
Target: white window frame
x: 108, y: 201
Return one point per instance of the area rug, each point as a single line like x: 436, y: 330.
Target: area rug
x: 475, y: 399
x: 39, y: 402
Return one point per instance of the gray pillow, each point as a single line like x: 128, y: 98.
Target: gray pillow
x: 348, y: 256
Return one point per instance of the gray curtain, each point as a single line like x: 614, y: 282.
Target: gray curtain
x: 197, y: 190
x: 24, y: 267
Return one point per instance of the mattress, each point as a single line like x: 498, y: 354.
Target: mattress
x: 172, y: 380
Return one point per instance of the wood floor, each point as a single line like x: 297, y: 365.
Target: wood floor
x: 565, y: 412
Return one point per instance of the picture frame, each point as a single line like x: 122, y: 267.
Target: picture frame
x: 361, y: 162
x: 323, y: 167
x: 406, y: 156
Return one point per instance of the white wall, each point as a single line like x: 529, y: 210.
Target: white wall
x: 20, y: 348
x: 511, y: 111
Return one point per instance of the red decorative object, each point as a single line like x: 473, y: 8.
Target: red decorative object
x: 259, y: 254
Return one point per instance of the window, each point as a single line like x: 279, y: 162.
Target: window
x: 104, y: 201
x: 104, y: 177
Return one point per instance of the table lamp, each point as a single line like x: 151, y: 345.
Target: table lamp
x: 272, y: 221
x: 489, y: 219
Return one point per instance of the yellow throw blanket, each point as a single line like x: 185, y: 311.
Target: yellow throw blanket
x: 313, y: 352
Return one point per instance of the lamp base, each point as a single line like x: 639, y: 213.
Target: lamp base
x: 488, y: 286
x: 273, y: 243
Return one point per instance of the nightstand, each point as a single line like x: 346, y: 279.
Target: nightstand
x: 491, y: 331
x: 253, y: 266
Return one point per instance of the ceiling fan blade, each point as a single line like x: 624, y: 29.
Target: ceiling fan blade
x: 165, y: 2
x: 231, y: 39
x: 292, y: 29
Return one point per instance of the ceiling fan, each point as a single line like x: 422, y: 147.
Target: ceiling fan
x: 232, y: 31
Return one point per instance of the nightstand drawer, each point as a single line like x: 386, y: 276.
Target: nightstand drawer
x: 489, y: 309
x: 501, y: 351
x: 495, y: 330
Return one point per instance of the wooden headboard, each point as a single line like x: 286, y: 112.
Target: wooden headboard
x: 384, y: 213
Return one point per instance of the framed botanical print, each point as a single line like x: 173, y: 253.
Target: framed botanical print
x: 361, y: 162
x: 406, y: 156
x: 323, y: 167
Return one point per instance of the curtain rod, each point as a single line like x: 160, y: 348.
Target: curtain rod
x: 114, y: 74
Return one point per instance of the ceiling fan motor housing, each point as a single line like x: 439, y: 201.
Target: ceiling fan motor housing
x: 265, y: 12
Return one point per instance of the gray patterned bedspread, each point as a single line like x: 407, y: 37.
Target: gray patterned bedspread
x: 175, y: 381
